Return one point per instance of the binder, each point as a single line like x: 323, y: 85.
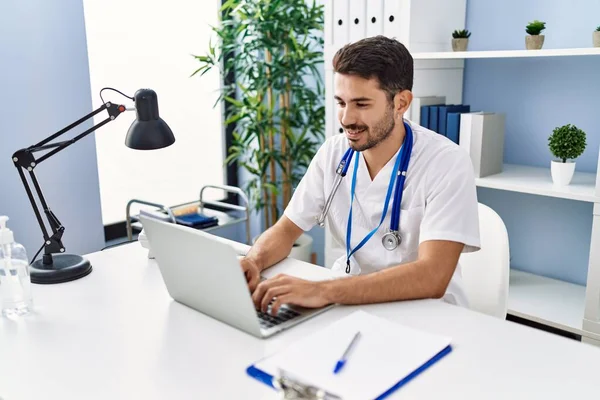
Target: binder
x: 356, y: 20
x: 387, y: 356
x: 443, y: 115
x: 396, y: 16
x: 340, y: 24
x: 374, y: 20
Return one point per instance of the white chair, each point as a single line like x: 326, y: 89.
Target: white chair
x: 486, y: 272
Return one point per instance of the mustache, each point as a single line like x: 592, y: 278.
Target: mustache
x: 354, y: 127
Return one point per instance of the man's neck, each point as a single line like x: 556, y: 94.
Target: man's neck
x: 377, y: 157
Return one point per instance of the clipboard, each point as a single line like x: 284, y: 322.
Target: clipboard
x: 392, y: 373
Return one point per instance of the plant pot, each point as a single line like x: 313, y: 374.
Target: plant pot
x: 562, y: 172
x: 302, y: 249
x: 460, y: 44
x: 596, y: 38
x: 534, y: 42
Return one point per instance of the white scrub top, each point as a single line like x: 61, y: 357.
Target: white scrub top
x: 439, y: 203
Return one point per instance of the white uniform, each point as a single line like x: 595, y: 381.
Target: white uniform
x: 439, y: 203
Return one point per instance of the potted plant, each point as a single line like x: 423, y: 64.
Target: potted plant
x: 596, y: 37
x: 535, y: 40
x: 566, y: 143
x: 275, y: 104
x: 460, y: 40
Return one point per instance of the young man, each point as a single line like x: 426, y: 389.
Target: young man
x: 438, y: 214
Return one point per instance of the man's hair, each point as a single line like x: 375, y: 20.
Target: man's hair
x: 377, y: 57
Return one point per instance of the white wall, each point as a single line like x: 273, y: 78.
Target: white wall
x: 149, y: 43
x: 44, y: 86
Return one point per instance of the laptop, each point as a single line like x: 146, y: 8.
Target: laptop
x: 203, y: 272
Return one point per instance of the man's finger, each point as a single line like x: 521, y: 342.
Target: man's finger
x: 279, y: 301
x: 252, y: 282
x: 272, y: 292
x: 259, y: 292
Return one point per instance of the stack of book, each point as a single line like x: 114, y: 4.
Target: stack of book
x: 480, y: 133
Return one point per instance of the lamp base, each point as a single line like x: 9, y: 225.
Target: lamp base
x: 64, y: 268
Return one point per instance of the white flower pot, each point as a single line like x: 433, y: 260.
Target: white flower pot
x: 302, y: 249
x: 562, y: 173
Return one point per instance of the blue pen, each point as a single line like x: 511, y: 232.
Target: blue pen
x: 342, y: 361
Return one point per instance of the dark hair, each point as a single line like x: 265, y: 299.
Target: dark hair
x: 377, y: 57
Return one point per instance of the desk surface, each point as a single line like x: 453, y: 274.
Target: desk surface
x: 116, y: 334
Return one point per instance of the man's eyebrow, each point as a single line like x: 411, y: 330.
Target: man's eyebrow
x: 354, y: 100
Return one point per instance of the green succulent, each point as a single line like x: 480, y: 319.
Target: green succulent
x: 461, y: 34
x: 567, y: 142
x: 535, y: 27
x: 598, y: 29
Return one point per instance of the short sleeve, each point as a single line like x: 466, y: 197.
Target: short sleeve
x: 309, y: 198
x: 451, y: 209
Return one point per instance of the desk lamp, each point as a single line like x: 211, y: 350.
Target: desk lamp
x: 147, y: 132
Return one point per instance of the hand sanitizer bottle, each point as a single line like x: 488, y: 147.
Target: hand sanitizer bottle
x: 15, y: 283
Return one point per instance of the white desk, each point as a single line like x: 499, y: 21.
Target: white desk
x: 116, y: 334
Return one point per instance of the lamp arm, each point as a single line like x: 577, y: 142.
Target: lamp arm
x: 25, y: 159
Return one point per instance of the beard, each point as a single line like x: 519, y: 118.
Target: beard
x: 375, y: 135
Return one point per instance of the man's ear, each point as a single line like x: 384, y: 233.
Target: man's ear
x: 402, y: 101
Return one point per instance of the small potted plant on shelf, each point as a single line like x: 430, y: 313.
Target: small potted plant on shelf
x: 566, y: 143
x: 534, y: 41
x: 460, y: 40
x: 596, y: 37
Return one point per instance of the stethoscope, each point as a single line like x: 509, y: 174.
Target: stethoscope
x: 392, y: 238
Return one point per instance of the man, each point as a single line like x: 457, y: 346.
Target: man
x: 438, y: 216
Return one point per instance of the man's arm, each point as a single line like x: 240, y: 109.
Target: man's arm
x: 271, y: 247
x: 427, y: 277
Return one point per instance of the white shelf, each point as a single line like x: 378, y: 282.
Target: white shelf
x: 538, y: 181
x: 547, y: 301
x: 450, y: 55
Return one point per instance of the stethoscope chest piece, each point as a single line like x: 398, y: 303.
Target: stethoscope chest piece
x: 391, y: 240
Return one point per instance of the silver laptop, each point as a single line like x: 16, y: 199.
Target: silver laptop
x: 203, y: 272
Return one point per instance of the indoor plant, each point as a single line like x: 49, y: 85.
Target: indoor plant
x: 460, y: 40
x: 566, y: 143
x: 275, y: 104
x: 596, y: 37
x: 534, y: 41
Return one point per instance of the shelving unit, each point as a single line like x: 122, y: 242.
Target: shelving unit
x: 451, y: 55
x: 439, y: 72
x: 538, y: 181
x: 547, y: 301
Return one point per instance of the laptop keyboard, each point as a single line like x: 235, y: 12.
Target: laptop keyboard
x: 284, y: 314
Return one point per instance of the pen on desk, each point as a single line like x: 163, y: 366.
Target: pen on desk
x: 342, y: 361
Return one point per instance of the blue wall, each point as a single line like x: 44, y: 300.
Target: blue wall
x: 548, y: 236
x: 44, y: 81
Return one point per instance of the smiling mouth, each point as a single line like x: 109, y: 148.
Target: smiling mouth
x: 355, y: 133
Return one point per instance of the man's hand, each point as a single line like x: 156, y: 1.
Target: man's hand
x: 289, y: 290
x: 252, y: 272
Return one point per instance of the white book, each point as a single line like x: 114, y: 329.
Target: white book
x: 464, y: 135
x: 414, y: 111
x: 487, y: 143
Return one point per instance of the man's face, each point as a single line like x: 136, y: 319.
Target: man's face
x: 363, y: 111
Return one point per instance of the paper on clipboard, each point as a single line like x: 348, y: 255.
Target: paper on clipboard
x: 387, y: 355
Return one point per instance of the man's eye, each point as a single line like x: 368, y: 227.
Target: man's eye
x: 341, y: 104
x: 361, y: 104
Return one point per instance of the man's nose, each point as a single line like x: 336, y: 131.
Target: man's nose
x: 347, y: 117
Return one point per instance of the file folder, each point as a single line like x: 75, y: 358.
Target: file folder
x: 386, y: 358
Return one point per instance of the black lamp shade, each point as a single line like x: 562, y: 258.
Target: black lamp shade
x: 148, y: 131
